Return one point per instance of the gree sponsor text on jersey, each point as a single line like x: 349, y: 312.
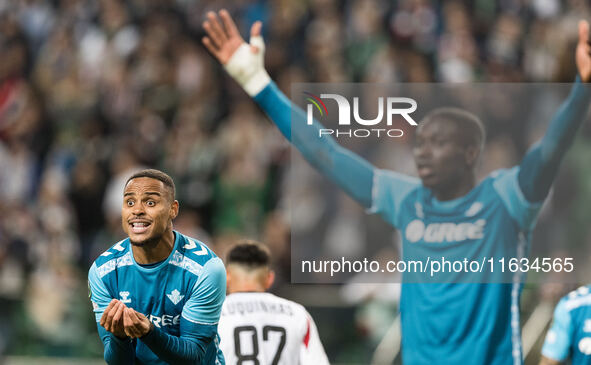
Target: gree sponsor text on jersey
x: 445, y: 231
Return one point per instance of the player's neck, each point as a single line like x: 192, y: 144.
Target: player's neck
x: 246, y: 287
x: 145, y: 255
x: 457, y: 189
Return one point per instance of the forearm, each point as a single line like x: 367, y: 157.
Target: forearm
x: 176, y: 350
x: 540, y: 165
x: 351, y: 172
x: 117, y: 351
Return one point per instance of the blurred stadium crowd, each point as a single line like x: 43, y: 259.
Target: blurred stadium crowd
x: 92, y: 90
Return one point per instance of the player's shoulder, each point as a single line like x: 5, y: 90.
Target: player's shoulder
x: 501, y: 180
x: 116, y: 256
x: 115, y: 252
x: 578, y: 298
x: 194, y: 249
x: 271, y: 301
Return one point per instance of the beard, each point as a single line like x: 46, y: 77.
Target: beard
x: 149, y: 242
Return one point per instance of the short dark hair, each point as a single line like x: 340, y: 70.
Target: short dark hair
x: 158, y: 175
x: 470, y: 126
x: 249, y: 253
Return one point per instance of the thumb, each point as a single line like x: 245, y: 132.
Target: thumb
x: 256, y: 40
x: 583, y: 31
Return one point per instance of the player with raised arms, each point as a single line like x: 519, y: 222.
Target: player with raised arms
x: 445, y: 323
x: 258, y: 327
x: 157, y: 295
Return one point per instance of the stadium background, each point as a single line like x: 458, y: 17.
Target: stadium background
x: 91, y: 90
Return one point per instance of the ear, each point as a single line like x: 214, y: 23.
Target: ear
x: 174, y: 209
x: 471, y: 154
x: 270, y: 279
x: 228, y: 280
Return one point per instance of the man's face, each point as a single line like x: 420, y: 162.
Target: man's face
x: 440, y: 155
x: 147, y: 212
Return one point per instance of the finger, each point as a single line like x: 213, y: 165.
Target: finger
x: 583, y: 31
x: 107, y: 311
x: 216, y: 27
x: 210, y: 47
x: 117, y: 318
x: 138, y: 319
x: 256, y: 40
x: 255, y: 30
x: 215, y: 38
x: 128, y: 332
x: 126, y: 320
x: 129, y: 325
x: 109, y: 316
x: 118, y: 315
x: 231, y: 29
x: 134, y: 316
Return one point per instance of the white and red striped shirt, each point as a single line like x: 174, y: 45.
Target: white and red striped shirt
x: 261, y: 328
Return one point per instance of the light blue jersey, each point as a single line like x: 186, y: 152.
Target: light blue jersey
x: 455, y: 322
x: 570, y: 334
x: 461, y: 323
x: 182, y: 296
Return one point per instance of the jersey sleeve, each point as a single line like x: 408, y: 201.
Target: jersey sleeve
x: 311, y: 349
x: 521, y: 210
x: 559, y: 337
x: 389, y: 191
x: 117, y: 351
x: 205, y: 304
x: 99, y: 294
x: 189, y: 348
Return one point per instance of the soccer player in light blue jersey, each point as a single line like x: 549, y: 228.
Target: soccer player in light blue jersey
x: 445, y: 323
x: 157, y: 295
x: 570, y: 334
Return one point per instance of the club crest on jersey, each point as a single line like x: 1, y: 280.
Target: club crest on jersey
x: 444, y: 232
x: 124, y: 297
x: 175, y: 296
x: 587, y: 326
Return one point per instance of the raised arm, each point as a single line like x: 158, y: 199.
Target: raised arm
x: 244, y: 62
x: 540, y: 165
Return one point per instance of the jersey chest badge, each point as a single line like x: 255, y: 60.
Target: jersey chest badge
x: 175, y: 296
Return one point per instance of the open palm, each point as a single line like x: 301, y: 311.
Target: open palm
x: 223, y: 38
